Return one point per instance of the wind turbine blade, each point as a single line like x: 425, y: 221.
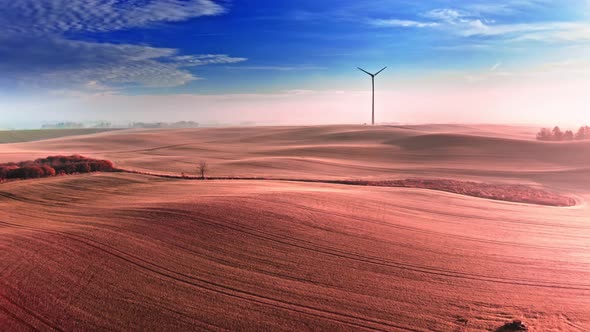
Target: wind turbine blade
x: 380, y: 71
x: 366, y: 72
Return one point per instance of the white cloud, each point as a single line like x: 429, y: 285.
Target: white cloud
x: 403, y: 23
x: 206, y: 59
x: 546, y: 31
x: 57, y: 16
x: 504, y: 7
x: 467, y: 23
x: 559, y: 32
x: 446, y: 14
x: 67, y: 63
x: 34, y: 49
x: 278, y: 68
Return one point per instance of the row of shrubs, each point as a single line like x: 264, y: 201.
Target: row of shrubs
x: 556, y: 134
x: 52, y: 166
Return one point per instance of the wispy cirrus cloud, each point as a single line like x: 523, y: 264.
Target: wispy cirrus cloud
x: 57, y: 16
x: 469, y: 24
x: 471, y: 21
x: 206, y: 59
x: 36, y: 50
x: 278, y: 68
x: 508, y: 7
x: 403, y: 23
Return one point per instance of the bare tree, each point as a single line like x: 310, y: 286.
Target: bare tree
x: 202, y: 168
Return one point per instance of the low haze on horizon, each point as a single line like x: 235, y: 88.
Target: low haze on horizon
x: 294, y: 62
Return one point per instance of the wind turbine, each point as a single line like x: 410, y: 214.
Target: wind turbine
x: 373, y: 82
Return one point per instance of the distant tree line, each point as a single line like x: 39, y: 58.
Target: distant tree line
x: 77, y: 125
x: 556, y: 134
x: 107, y: 124
x: 64, y: 125
x: 179, y: 124
x: 103, y: 124
x: 52, y: 166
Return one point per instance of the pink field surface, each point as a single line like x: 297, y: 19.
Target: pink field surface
x: 356, y: 251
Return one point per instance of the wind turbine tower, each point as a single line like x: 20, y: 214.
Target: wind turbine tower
x: 373, y: 84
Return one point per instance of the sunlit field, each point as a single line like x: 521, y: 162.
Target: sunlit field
x: 322, y: 240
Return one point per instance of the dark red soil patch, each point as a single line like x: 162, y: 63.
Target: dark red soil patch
x: 501, y: 192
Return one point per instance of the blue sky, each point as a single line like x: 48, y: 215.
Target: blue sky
x: 92, y: 53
